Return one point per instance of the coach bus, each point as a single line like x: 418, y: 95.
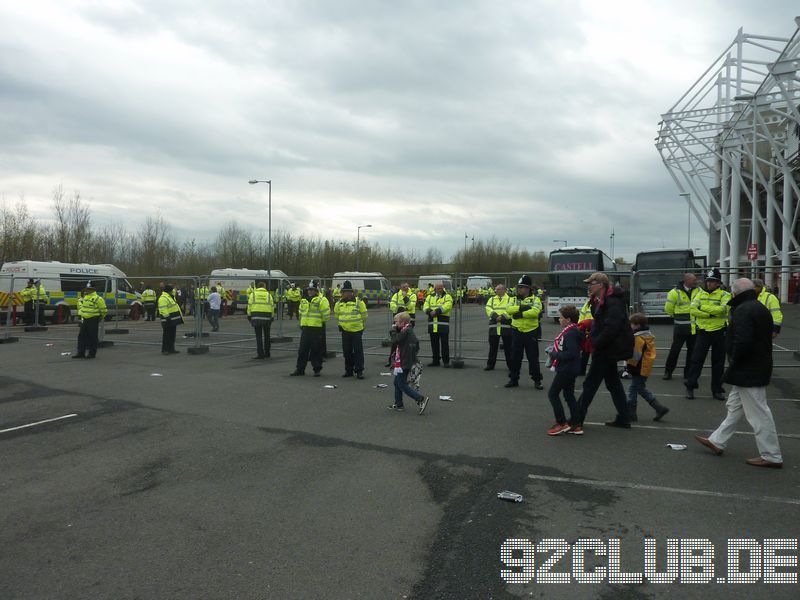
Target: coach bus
x: 650, y: 287
x: 568, y: 267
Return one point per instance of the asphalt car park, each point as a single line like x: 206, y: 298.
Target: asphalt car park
x: 138, y: 475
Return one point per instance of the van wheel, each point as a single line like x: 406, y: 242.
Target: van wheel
x: 61, y: 315
x: 136, y: 312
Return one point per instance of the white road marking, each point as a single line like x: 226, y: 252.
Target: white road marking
x: 38, y: 423
x: 659, y: 488
x: 635, y: 426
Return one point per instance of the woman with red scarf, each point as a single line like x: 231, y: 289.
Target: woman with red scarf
x: 565, y: 354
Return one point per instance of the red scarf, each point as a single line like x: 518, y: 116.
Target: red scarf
x: 558, y: 343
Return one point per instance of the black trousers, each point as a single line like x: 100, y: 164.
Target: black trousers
x: 150, y: 311
x: 262, y: 329
x: 310, y: 349
x: 27, y: 315
x: 87, y: 336
x: 353, y: 350
x: 294, y: 308
x: 584, y: 361
x: 603, y: 370
x: 680, y: 336
x: 440, y: 344
x: 564, y: 382
x: 494, y: 344
x: 168, y: 337
x: 524, y: 343
x: 715, y: 340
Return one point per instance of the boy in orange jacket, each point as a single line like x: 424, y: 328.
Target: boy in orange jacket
x: 640, y: 365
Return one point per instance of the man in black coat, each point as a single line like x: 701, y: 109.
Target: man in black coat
x: 612, y: 341
x: 749, y: 348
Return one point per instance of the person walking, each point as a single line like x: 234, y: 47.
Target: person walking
x: 438, y: 305
x: 171, y: 317
x: 404, y: 300
x: 260, y: 310
x: 749, y: 349
x: 91, y: 310
x: 565, y: 354
x: 710, y: 311
x: 499, y: 326
x: 351, y: 315
x: 524, y: 313
x: 149, y: 303
x: 640, y: 366
x: 214, y: 308
x: 612, y: 341
x: 679, y: 307
x: 406, y: 348
x: 315, y: 310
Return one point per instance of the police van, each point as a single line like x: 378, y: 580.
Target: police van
x: 237, y: 281
x: 372, y: 288
x: 426, y: 280
x: 64, y: 283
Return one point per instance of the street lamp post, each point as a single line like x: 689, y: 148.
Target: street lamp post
x: 269, y: 223
x: 358, y: 242
x: 688, y: 197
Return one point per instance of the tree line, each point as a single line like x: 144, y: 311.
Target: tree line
x: 154, y: 249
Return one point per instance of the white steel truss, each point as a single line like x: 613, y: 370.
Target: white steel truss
x: 730, y: 144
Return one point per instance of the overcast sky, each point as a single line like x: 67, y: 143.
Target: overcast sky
x: 530, y: 120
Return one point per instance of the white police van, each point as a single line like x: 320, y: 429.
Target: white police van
x: 237, y: 281
x: 64, y: 283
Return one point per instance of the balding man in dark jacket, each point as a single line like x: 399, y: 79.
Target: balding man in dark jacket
x: 612, y: 341
x: 749, y: 348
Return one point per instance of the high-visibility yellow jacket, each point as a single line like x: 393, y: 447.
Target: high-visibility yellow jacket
x: 293, y: 295
x: 148, y: 295
x: 337, y: 293
x: 351, y: 314
x: 527, y: 310
x: 221, y: 292
x: 314, y: 312
x: 91, y: 305
x: 27, y: 294
x: 710, y: 309
x: 585, y: 313
x: 403, y: 302
x: 39, y: 295
x: 260, y: 306
x: 679, y: 306
x: 168, y: 309
x: 769, y: 300
x: 202, y: 292
x: 438, y: 310
x: 496, y: 308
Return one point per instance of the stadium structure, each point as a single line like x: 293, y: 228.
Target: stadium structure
x: 730, y: 143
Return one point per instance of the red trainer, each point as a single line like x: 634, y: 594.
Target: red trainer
x: 577, y: 430
x: 558, y: 429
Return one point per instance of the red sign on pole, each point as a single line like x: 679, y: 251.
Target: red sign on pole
x: 752, y: 252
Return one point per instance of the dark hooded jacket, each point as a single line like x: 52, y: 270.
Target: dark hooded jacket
x: 612, y: 336
x: 748, y: 342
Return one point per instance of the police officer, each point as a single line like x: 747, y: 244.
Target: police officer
x: 293, y: 297
x: 149, y: 303
x: 337, y: 293
x: 315, y: 310
x: 260, y: 310
x: 404, y: 300
x: 710, y: 312
x: 499, y: 326
x: 351, y: 314
x: 525, y: 321
x: 678, y: 306
x: 91, y: 310
x: 40, y: 300
x: 772, y: 303
x: 202, y: 295
x: 171, y: 317
x: 27, y: 298
x: 438, y: 306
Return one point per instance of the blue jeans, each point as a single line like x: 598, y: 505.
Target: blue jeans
x: 213, y: 317
x: 401, y: 386
x: 638, y: 387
